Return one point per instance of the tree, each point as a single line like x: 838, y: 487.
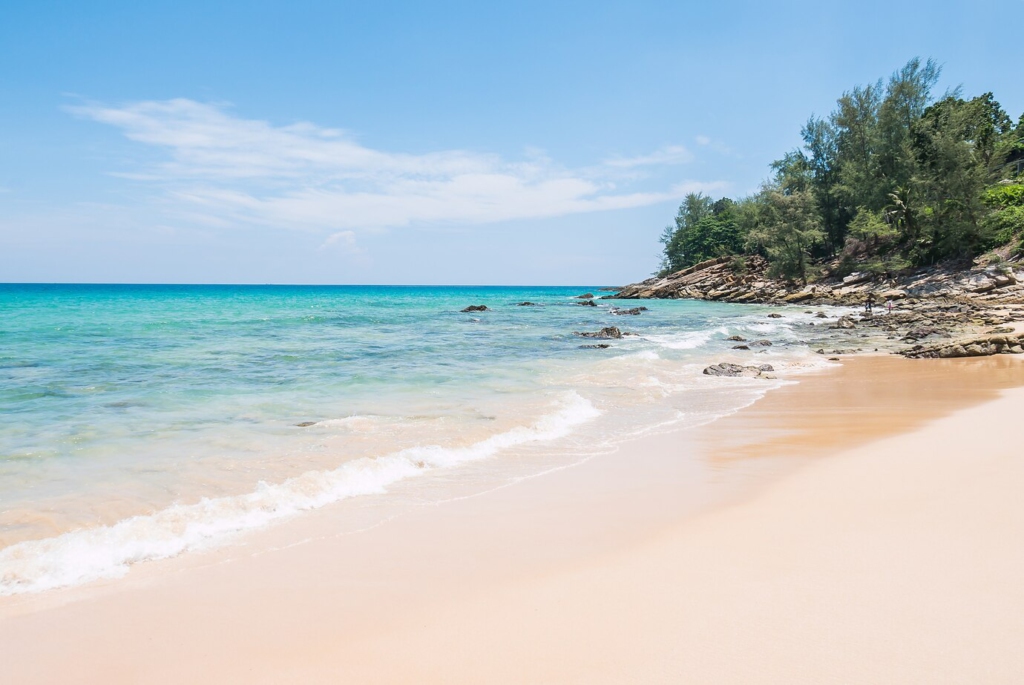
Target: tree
x: 787, y: 228
x: 704, y: 229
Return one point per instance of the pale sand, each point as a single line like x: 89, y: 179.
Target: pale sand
x: 898, y: 558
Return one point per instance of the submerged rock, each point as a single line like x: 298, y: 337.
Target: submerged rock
x: 598, y: 346
x: 633, y: 311
x: 526, y: 304
x: 775, y: 315
x: 476, y: 308
x: 587, y: 303
x: 306, y: 424
x: 585, y: 296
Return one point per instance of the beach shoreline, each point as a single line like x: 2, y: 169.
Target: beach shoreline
x: 621, y: 568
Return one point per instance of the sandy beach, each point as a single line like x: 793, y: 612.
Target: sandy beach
x: 859, y: 526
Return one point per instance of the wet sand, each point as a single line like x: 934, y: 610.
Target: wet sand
x: 859, y: 526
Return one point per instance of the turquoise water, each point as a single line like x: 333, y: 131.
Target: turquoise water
x: 136, y: 421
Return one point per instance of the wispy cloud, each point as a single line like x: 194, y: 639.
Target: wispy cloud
x: 668, y: 155
x: 220, y: 168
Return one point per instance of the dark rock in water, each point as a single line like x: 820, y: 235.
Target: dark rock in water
x: 585, y: 296
x: 821, y: 315
x: 526, y: 304
x: 587, y: 303
x: 476, y: 308
x: 736, y: 371
x: 737, y: 338
x: 762, y: 343
x: 633, y: 311
x: 306, y: 424
x: 599, y: 346
x: 833, y: 359
x: 774, y: 315
x: 740, y: 347
x: 611, y: 332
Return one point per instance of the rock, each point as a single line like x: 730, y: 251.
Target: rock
x: 821, y: 315
x: 1002, y: 329
x: 526, y: 304
x: 844, y: 322
x: 924, y: 332
x: 599, y: 346
x: 306, y: 424
x: 585, y: 296
x: 762, y: 343
x: 740, y: 347
x: 610, y: 332
x: 775, y: 315
x: 476, y: 308
x: 634, y: 311
x: 833, y: 359
x: 736, y: 338
x: 856, y: 277
x: 587, y: 303
x: 736, y: 371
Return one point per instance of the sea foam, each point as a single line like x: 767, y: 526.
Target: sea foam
x: 109, y: 551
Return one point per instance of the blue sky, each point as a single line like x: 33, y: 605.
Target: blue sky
x: 442, y: 142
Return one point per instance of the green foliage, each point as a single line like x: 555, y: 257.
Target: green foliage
x: 890, y: 178
x: 872, y: 228
x: 1004, y: 225
x: 1004, y: 195
x: 787, y: 227
x: 704, y: 229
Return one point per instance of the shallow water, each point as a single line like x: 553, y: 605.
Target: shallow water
x: 138, y: 422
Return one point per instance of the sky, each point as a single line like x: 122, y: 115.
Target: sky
x: 422, y: 143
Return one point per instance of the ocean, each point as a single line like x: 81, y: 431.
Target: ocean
x: 139, y: 422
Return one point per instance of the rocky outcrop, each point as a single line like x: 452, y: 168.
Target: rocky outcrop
x: 736, y: 371
x: 585, y: 296
x: 610, y: 332
x: 982, y: 346
x: 719, y: 280
x: 633, y: 311
x: 476, y: 308
x: 587, y: 303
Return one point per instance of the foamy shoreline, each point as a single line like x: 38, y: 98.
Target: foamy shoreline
x: 867, y: 566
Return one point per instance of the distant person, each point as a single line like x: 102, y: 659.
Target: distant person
x: 888, y: 306
x: 869, y: 303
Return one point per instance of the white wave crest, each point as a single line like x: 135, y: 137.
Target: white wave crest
x: 686, y: 341
x: 108, y: 551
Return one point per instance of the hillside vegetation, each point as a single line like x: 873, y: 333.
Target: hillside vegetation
x: 893, y: 178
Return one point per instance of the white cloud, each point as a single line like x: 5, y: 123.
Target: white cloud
x: 229, y: 169
x: 668, y: 155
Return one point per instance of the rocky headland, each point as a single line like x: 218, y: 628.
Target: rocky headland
x: 943, y: 311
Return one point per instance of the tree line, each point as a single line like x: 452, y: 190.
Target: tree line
x: 892, y: 178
